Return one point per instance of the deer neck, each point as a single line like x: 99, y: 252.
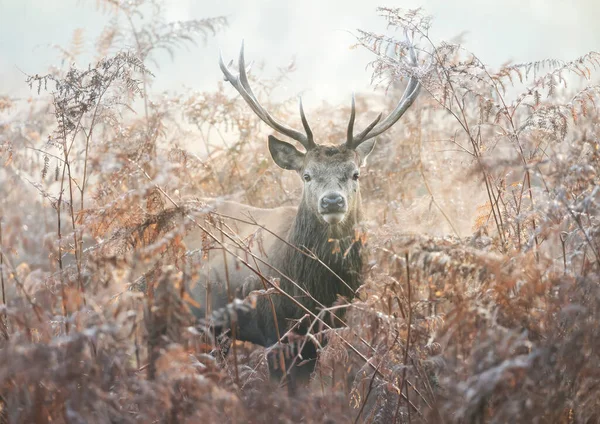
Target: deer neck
x: 337, y: 249
x: 309, y: 231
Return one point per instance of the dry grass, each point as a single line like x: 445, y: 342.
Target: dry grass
x: 481, y: 299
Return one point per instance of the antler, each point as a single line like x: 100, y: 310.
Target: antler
x: 375, y: 128
x: 240, y: 83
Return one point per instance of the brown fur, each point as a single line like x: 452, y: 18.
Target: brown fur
x: 301, y: 228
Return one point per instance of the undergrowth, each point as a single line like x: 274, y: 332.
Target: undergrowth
x: 481, y: 298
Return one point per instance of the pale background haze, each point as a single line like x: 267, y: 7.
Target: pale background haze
x: 318, y: 34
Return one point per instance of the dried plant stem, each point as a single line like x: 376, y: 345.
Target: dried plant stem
x: 234, y: 324
x: 144, y: 82
x: 63, y: 291
x: 305, y: 252
x: 39, y: 313
x: 437, y: 205
x: 372, y: 379
x: 533, y: 224
x: 464, y: 123
x: 428, y: 188
x: 281, y: 355
x: 153, y: 353
x: 589, y: 242
x: 403, y: 383
x: 67, y: 170
x: 274, y: 286
x: 88, y: 140
x: 136, y: 344
x: 263, y: 281
x: 293, y: 299
x: 4, y: 315
x: 424, y: 378
x: 564, y: 251
x: 76, y: 249
x: 510, y: 117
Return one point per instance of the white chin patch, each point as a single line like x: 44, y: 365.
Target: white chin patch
x: 333, y: 218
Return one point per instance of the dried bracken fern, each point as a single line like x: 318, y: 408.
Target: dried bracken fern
x: 480, y: 302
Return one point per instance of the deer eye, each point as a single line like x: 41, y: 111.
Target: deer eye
x: 306, y: 177
x: 355, y: 176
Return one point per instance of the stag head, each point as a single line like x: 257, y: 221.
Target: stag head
x: 330, y: 173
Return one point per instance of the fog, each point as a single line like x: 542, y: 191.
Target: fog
x: 318, y: 35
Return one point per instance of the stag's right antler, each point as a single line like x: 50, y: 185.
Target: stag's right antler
x: 240, y: 83
x: 375, y: 128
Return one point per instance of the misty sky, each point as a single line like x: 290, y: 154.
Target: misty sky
x: 317, y: 33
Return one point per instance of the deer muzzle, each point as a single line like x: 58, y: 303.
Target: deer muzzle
x: 333, y: 207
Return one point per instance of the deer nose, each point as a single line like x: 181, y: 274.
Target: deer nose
x: 333, y: 203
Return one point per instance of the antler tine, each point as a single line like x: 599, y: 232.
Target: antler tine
x: 408, y: 98
x: 235, y: 82
x: 309, y: 134
x: 264, y: 115
x: 363, y: 135
x: 350, y: 134
x: 242, y: 86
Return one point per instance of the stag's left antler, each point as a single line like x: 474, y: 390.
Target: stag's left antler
x: 375, y: 128
x: 240, y: 83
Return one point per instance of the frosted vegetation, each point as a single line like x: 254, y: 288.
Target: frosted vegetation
x: 481, y: 295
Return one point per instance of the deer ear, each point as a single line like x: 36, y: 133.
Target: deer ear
x: 364, y: 150
x: 285, y: 155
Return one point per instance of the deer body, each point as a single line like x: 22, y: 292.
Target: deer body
x: 296, y: 237
x: 310, y: 254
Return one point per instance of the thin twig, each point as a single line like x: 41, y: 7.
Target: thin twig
x: 364, y: 402
x: 407, y: 344
x: 233, y: 326
x: 4, y: 315
x: 274, y: 286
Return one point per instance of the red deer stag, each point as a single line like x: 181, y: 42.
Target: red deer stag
x: 330, y: 209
